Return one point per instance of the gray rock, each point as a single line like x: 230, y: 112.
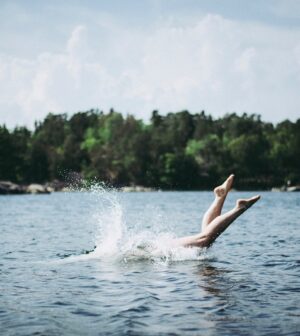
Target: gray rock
x: 56, y: 185
x: 37, y: 189
x: 7, y: 188
x: 293, y: 188
x: 136, y: 189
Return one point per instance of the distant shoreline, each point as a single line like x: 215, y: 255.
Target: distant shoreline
x: 10, y: 188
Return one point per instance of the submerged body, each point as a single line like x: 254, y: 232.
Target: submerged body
x: 214, y: 223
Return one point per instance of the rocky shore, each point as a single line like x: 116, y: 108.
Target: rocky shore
x: 10, y: 188
x: 289, y: 189
x: 136, y: 189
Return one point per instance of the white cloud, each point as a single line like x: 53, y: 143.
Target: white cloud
x: 216, y: 64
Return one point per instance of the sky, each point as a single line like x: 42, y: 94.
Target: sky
x: 135, y: 56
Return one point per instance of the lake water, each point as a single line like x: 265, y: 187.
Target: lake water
x: 134, y: 283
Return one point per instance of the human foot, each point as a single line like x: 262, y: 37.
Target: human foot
x: 244, y: 204
x: 223, y: 189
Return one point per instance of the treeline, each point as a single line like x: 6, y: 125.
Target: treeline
x: 177, y: 151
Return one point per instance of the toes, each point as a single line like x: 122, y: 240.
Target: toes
x: 229, y: 182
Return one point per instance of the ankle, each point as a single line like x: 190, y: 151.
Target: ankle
x: 240, y: 207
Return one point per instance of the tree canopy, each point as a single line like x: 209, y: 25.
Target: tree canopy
x: 180, y: 150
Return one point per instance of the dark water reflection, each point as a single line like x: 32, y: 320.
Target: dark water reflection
x: 247, y: 284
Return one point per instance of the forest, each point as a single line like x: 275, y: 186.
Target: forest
x: 177, y: 151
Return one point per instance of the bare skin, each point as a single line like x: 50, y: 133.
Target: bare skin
x: 216, y: 207
x: 213, y: 223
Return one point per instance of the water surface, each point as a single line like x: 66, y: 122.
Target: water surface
x: 134, y: 283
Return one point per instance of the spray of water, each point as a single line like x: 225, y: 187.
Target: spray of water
x: 115, y: 240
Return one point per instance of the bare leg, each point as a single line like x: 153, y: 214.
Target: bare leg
x: 216, y: 207
x: 218, y: 225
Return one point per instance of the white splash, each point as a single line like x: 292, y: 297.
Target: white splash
x: 115, y: 241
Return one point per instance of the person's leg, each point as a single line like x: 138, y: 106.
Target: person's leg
x: 218, y: 225
x: 216, y: 207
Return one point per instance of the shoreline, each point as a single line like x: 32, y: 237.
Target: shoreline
x: 10, y: 188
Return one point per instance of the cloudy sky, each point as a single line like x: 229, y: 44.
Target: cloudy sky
x: 140, y: 55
